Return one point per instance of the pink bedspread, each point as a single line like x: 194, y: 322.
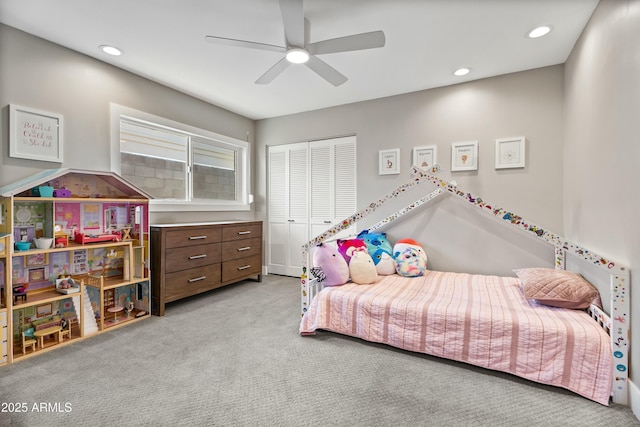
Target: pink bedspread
x: 481, y: 320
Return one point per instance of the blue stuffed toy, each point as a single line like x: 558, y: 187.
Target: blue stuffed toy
x: 380, y: 251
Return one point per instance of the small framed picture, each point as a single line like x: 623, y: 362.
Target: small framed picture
x: 389, y: 162
x: 36, y: 275
x: 43, y: 310
x: 425, y: 157
x: 464, y: 156
x: 510, y: 153
x: 36, y: 260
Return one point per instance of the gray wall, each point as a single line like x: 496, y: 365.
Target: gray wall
x: 38, y: 74
x: 526, y: 104
x: 602, y: 152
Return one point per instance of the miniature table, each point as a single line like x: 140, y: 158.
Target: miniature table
x: 115, y: 310
x: 47, y: 331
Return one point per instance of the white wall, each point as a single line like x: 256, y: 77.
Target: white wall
x: 42, y: 75
x: 602, y: 150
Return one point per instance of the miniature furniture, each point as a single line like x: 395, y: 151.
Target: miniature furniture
x: 115, y: 310
x: 20, y: 292
x: 51, y: 330
x: 65, y: 331
x: 188, y: 259
x: 28, y: 342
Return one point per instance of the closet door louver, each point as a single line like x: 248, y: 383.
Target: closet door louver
x: 345, y: 178
x: 333, y: 182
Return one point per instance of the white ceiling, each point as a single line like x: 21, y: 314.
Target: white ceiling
x: 163, y: 40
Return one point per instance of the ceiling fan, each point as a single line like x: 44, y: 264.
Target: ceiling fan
x: 298, y: 50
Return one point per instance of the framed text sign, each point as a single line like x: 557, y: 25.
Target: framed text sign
x: 35, y: 135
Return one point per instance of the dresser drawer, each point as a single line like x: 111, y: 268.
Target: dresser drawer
x: 191, y: 237
x: 190, y: 282
x: 178, y: 259
x: 242, y: 231
x: 241, y: 268
x: 241, y: 248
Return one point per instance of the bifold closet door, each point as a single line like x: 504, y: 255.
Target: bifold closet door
x: 288, y: 207
x: 311, y: 186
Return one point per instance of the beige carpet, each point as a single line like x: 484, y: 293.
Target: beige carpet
x: 233, y: 357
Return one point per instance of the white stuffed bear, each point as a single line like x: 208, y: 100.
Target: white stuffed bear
x: 362, y: 269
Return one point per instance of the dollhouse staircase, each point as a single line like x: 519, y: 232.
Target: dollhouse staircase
x: 90, y: 325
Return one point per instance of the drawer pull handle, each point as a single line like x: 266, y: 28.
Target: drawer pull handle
x: 244, y: 267
x: 244, y: 232
x: 246, y: 248
x: 197, y: 237
x: 197, y: 279
x: 198, y: 256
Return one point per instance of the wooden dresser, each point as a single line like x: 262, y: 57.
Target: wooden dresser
x: 188, y: 259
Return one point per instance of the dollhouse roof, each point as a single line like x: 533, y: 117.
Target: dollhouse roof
x: 78, y: 182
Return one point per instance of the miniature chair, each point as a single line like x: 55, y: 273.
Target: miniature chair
x: 20, y: 292
x: 65, y: 331
x: 28, y: 340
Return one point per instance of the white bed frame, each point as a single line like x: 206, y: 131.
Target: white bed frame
x: 616, y: 324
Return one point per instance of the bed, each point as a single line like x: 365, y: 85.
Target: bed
x: 483, y: 320
x: 477, y: 319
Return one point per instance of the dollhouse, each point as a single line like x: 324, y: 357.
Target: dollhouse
x: 74, y: 251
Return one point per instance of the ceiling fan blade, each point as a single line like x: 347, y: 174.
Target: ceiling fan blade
x: 325, y: 71
x: 293, y: 20
x: 370, y: 40
x: 243, y: 43
x: 273, y: 72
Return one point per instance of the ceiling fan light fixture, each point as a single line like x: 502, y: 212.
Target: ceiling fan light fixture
x: 540, y: 31
x: 297, y: 56
x: 461, y: 72
x: 110, y: 50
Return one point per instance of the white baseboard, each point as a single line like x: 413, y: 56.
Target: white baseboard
x: 264, y: 270
x: 634, y: 399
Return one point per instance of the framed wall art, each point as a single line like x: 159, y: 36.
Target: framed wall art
x: 464, y: 156
x: 36, y: 275
x: 425, y: 157
x: 44, y: 310
x: 35, y: 134
x: 510, y: 153
x: 389, y: 161
x: 36, y: 260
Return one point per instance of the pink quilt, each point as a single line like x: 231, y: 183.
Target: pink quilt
x: 481, y: 320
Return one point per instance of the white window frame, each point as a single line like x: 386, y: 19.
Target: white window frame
x: 243, y: 171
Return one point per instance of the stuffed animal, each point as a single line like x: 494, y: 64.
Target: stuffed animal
x: 362, y: 269
x: 410, y: 258
x: 375, y: 241
x: 380, y: 250
x: 329, y: 266
x: 346, y: 247
x: 385, y: 265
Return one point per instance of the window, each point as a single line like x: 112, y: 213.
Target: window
x: 181, y: 167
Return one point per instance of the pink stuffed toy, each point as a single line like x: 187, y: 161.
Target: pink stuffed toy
x: 346, y: 247
x: 329, y: 266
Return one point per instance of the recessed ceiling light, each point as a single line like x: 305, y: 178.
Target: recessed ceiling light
x: 111, y: 50
x: 461, y: 71
x: 539, y: 32
x: 297, y: 56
